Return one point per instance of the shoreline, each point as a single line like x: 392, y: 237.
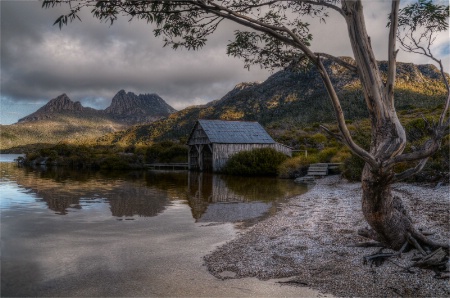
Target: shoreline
x: 308, y: 243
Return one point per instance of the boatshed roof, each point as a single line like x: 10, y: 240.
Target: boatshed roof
x: 235, y: 132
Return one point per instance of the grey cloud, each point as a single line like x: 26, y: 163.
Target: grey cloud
x: 88, y: 59
x: 91, y: 61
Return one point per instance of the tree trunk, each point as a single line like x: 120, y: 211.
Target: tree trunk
x: 384, y: 212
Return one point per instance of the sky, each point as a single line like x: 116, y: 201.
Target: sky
x: 91, y: 61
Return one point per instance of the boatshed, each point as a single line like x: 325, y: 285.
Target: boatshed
x: 213, y: 142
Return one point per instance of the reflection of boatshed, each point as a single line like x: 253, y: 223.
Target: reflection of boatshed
x: 213, y: 142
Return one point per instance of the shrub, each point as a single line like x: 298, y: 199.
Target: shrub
x: 341, y: 155
x: 352, y: 169
x: 114, y: 163
x: 166, y: 152
x: 296, y: 166
x: 256, y: 162
x: 326, y: 154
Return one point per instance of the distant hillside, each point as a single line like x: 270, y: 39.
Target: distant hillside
x: 63, y: 119
x: 291, y: 99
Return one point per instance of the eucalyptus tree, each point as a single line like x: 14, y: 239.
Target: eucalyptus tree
x: 275, y: 34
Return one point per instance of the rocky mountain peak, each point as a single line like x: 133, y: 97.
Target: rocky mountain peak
x: 61, y: 103
x: 126, y: 108
x: 142, y: 105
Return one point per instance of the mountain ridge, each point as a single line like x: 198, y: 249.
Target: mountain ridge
x: 126, y: 108
x: 290, y: 99
x: 285, y: 103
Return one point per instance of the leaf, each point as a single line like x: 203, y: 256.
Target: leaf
x: 58, y: 20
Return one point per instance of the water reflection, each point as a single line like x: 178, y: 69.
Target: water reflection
x: 212, y: 198
x: 65, y: 191
x: 220, y: 198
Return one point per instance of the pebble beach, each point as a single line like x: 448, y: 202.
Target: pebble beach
x: 309, y: 244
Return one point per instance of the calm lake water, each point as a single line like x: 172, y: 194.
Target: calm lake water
x: 77, y: 233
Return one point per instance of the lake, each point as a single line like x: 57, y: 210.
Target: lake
x: 80, y: 233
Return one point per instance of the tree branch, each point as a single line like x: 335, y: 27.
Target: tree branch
x: 410, y: 172
x: 323, y: 3
x: 392, y: 52
x: 339, y: 61
x: 429, y: 148
x: 346, y: 136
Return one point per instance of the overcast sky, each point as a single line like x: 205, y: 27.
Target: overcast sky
x: 90, y: 61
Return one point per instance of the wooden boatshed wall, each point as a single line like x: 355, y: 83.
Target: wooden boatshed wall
x: 213, y: 142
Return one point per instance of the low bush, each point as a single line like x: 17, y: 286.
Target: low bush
x: 166, y: 152
x: 297, y: 166
x: 352, y: 168
x: 257, y: 162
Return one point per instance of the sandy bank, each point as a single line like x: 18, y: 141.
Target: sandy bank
x: 308, y: 241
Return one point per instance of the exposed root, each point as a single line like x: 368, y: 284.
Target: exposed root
x: 437, y: 260
x: 368, y: 233
x: 416, y: 244
x: 368, y: 244
x: 428, y: 241
x: 379, y: 258
x: 426, y: 233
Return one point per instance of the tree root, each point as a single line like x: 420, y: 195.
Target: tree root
x: 428, y: 241
x: 368, y: 244
x: 379, y: 258
x: 436, y: 260
x: 416, y: 244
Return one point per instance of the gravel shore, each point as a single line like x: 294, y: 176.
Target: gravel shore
x: 309, y: 243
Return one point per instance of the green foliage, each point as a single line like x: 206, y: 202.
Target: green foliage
x: 424, y: 14
x: 256, y: 162
x: 166, y: 152
x: 116, y: 162
x: 353, y: 167
x: 296, y: 166
x: 85, y: 157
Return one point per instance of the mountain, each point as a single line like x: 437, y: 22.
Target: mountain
x: 132, y: 108
x: 290, y: 100
x: 287, y: 102
x: 62, y: 119
x: 126, y: 108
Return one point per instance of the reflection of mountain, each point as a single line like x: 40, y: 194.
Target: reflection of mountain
x: 130, y: 200
x: 212, y: 198
x: 216, y: 198
x: 64, y: 190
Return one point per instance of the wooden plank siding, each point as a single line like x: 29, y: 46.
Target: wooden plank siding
x: 213, y: 142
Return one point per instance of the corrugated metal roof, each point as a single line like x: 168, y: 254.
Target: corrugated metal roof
x: 235, y: 132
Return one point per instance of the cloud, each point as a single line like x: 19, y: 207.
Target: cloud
x: 88, y: 60
x: 91, y: 61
